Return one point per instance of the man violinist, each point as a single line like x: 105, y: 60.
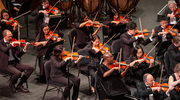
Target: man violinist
x: 10, y: 63
x: 41, y: 15
x: 172, y: 13
x: 146, y: 90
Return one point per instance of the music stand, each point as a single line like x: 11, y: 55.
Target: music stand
x: 54, y: 19
x: 24, y: 8
x: 50, y: 49
x: 163, y: 48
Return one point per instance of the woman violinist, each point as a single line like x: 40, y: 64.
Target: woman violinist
x: 43, y: 40
x: 7, y: 23
x: 174, y: 80
x: 115, y: 26
x: 95, y: 56
x: 84, y: 28
x: 147, y: 62
x: 60, y: 74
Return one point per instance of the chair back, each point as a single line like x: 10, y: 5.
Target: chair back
x: 71, y: 35
x: 115, y: 47
x: 83, y: 61
x: 47, y: 69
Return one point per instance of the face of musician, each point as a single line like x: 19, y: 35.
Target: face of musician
x: 110, y: 58
x: 6, y: 16
x: 172, y: 7
x: 63, y: 52
x: 46, y: 30
x: 85, y: 19
x: 116, y: 16
x: 139, y: 53
x: 177, y: 44
x: 164, y: 23
x: 45, y: 4
x: 96, y: 42
x: 132, y: 32
x: 149, y: 80
x: 8, y: 36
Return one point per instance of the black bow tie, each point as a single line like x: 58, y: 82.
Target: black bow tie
x: 7, y: 43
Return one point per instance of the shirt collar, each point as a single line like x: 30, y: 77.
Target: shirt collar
x: 5, y: 40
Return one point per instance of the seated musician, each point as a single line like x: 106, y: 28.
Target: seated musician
x: 147, y: 62
x: 174, y: 53
x: 174, y: 81
x: 146, y: 90
x: 130, y: 42
x: 8, y: 25
x: 59, y: 72
x: 43, y: 41
x: 41, y: 15
x: 11, y: 7
x: 161, y: 36
x: 109, y: 83
x: 95, y: 56
x: 172, y: 13
x: 9, y: 62
x: 115, y: 25
x: 84, y: 28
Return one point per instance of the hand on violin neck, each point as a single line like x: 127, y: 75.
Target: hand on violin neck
x: 57, y: 11
x: 156, y: 89
x: 96, y: 49
x: 80, y: 57
x: 3, y: 20
x: 43, y: 11
x: 16, y: 42
x: 59, y: 39
x: 140, y: 36
x: 68, y: 58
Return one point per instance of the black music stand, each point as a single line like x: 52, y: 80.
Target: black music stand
x: 163, y: 48
x: 24, y: 8
x: 50, y: 49
x: 54, y: 19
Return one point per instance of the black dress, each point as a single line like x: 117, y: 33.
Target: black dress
x: 111, y: 87
x: 83, y: 35
x: 175, y: 95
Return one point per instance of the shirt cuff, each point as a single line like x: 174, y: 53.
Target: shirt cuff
x: 136, y: 37
x: 24, y: 50
x: 167, y: 94
x: 150, y: 38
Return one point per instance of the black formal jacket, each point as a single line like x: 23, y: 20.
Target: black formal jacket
x: 144, y: 92
x: 127, y: 41
x: 4, y: 54
x: 168, y: 11
x: 174, y: 55
x: 159, y: 37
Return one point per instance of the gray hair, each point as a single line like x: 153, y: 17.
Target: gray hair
x: 170, y: 2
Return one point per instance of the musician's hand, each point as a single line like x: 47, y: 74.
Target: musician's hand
x: 151, y: 61
x: 16, y: 42
x: 68, y: 58
x: 156, y: 89
x: 117, y: 68
x: 15, y: 24
x: 152, y: 34
x: 101, y: 25
x: 80, y: 57
x: 44, y: 43
x: 116, y: 22
x: 25, y: 47
x: 95, y: 49
x: 140, y: 36
x: 3, y: 20
x: 59, y: 39
x: 171, y: 16
x: 43, y: 11
x: 89, y: 21
x: 56, y: 11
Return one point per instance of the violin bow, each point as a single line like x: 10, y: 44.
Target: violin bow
x: 20, y: 15
x: 161, y: 75
x: 128, y: 13
x: 108, y: 41
x: 54, y: 5
x: 140, y: 24
x: 73, y: 46
x: 18, y: 33
x: 152, y: 49
x: 174, y: 24
x: 120, y: 58
x: 95, y: 16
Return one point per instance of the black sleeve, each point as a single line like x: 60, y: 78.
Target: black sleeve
x: 57, y: 63
x: 127, y: 41
x: 142, y: 91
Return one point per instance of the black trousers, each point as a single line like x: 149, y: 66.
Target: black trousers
x: 16, y: 69
x: 92, y: 74
x: 73, y: 80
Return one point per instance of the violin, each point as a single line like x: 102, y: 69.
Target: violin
x: 11, y: 22
x: 52, y: 36
x: 146, y: 59
x: 177, y: 13
x: 52, y: 10
x: 74, y: 55
x: 22, y: 42
x: 95, y: 24
x: 144, y: 32
x: 123, y: 64
x: 122, y: 20
x: 164, y: 86
x: 169, y: 29
x: 102, y: 49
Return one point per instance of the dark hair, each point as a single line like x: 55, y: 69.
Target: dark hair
x: 112, y: 13
x: 43, y: 1
x: 163, y: 18
x: 94, y: 37
x: 176, y: 39
x: 41, y: 29
x: 81, y: 17
x: 131, y: 25
x: 57, y: 50
x: 4, y: 11
x: 134, y: 54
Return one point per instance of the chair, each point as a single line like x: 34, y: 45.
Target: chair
x: 167, y: 64
x: 71, y: 36
x: 83, y: 65
x: 104, y: 34
x: 47, y: 68
x: 115, y: 47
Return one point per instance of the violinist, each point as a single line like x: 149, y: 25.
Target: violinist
x: 12, y: 26
x: 42, y: 47
x: 9, y: 62
x: 41, y: 15
x: 172, y: 12
x: 174, y: 80
x: 146, y: 90
x: 115, y: 26
x: 145, y: 63
x: 130, y: 42
x: 60, y: 74
x: 95, y: 56
x: 109, y: 83
x: 83, y: 31
x: 174, y: 53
